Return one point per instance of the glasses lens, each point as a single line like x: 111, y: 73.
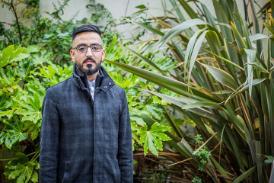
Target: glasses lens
x: 96, y: 47
x: 93, y: 47
x: 82, y: 48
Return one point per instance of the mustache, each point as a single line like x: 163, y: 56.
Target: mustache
x: 89, y: 59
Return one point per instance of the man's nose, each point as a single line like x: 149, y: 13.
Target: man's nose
x: 89, y: 52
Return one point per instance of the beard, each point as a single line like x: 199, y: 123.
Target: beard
x: 90, y: 70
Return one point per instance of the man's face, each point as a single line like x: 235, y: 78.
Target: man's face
x: 87, y: 52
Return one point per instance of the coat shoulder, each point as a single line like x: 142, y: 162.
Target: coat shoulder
x: 56, y: 91
x: 118, y: 91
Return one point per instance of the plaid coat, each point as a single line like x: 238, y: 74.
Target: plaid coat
x: 85, y: 140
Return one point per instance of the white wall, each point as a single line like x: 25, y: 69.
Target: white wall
x: 6, y: 15
x: 119, y: 8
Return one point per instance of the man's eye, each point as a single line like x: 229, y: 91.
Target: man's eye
x: 95, y: 48
x: 82, y: 48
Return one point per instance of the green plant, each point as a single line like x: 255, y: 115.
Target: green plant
x: 27, y: 71
x: 22, y: 89
x: 222, y: 81
x: 196, y: 180
x: 148, y: 127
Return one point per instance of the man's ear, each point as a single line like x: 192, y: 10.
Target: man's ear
x: 103, y: 55
x: 72, y: 55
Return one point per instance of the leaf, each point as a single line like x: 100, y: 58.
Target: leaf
x: 195, y: 50
x: 257, y: 37
x: 169, y: 83
x: 243, y: 87
x: 11, y: 54
x: 141, y: 6
x: 8, y: 113
x: 269, y: 159
x: 150, y: 144
x: 179, y: 28
x: 153, y: 139
x: 34, y: 177
x: 186, y: 102
x: 244, y: 175
x: 221, y: 76
x: 150, y: 28
x: 10, y: 137
x: 188, y: 9
x: 146, y: 60
x: 251, y: 57
x: 138, y: 120
x: 177, y: 10
x: 22, y: 172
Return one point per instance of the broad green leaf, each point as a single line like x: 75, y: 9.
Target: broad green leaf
x: 138, y: 120
x: 149, y: 143
x: 22, y: 172
x: 10, y: 137
x: 11, y: 54
x: 34, y: 177
x: 8, y: 113
x: 153, y: 139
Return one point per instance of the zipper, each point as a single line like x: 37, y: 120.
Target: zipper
x: 93, y: 131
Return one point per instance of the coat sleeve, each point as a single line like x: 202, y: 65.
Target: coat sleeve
x: 125, y: 156
x: 49, y: 141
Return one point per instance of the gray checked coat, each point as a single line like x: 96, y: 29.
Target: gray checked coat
x: 85, y: 140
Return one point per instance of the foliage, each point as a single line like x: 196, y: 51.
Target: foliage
x: 151, y: 139
x: 147, y: 121
x: 222, y: 81
x: 23, y: 172
x: 32, y: 60
x: 196, y: 180
x: 201, y: 153
x: 22, y: 88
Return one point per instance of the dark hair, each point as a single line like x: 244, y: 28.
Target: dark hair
x: 85, y: 28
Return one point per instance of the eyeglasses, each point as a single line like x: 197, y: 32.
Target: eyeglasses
x: 83, y: 48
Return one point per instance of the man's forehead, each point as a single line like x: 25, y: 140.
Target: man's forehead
x: 87, y: 37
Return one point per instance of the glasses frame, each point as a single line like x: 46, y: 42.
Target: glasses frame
x: 90, y: 46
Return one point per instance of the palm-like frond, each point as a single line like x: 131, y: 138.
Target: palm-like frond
x: 224, y: 83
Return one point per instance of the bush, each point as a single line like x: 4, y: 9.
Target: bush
x: 34, y: 60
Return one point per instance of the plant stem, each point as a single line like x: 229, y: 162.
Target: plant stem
x: 17, y: 20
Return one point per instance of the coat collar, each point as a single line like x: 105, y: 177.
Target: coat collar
x: 102, y: 82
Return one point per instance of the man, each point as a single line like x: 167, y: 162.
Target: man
x: 86, y: 134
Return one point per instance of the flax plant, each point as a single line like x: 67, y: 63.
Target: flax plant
x: 223, y: 81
